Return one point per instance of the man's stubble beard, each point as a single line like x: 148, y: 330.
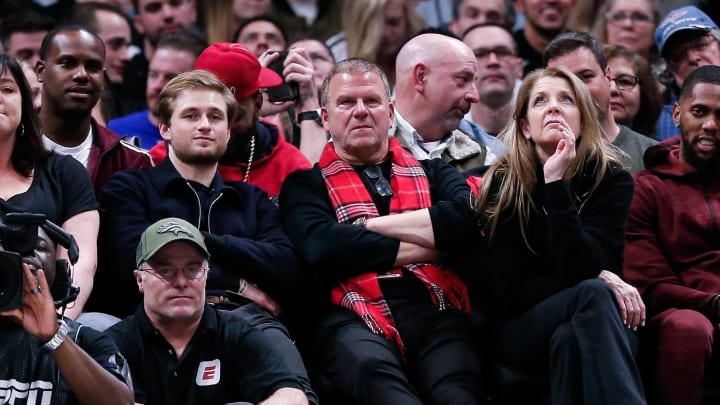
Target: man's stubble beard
x: 710, y: 165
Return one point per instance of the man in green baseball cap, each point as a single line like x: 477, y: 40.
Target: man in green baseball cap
x: 216, y: 357
x: 165, y: 231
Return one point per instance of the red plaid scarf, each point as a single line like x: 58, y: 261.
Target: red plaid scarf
x: 351, y: 200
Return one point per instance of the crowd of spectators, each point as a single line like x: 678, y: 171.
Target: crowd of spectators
x: 360, y: 201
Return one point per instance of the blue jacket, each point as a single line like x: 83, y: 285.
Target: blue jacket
x: 245, y: 237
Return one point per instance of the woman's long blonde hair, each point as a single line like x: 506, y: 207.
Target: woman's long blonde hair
x: 517, y: 168
x: 364, y: 22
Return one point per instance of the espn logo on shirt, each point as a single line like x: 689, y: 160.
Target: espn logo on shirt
x: 208, y: 373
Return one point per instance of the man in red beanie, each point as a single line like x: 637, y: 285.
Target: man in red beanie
x: 257, y: 152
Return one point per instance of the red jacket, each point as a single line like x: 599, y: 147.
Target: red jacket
x: 110, y: 154
x: 278, y: 158
x: 672, y: 253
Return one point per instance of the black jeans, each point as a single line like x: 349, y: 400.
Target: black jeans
x: 577, y: 335
x: 440, y: 365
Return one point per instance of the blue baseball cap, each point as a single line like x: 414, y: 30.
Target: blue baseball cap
x: 681, y: 19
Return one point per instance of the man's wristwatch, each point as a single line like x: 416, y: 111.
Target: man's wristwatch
x: 59, y: 337
x: 309, y: 115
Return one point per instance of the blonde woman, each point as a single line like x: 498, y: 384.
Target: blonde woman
x: 554, y: 208
x: 375, y: 30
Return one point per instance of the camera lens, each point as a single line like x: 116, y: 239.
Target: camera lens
x: 11, y: 280
x: 3, y: 284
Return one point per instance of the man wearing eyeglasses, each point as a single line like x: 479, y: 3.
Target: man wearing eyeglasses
x: 499, y: 70
x: 390, y: 320
x: 435, y: 87
x: 582, y: 54
x: 687, y: 39
x: 181, y: 350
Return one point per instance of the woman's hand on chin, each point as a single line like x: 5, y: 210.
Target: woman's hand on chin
x: 556, y: 164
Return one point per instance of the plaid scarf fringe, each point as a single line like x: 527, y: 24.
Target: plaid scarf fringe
x: 351, y: 200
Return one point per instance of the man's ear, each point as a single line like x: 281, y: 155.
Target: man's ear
x: 420, y: 73
x: 453, y: 26
x: 164, y: 131
x: 324, y: 116
x: 137, y: 23
x: 676, y: 115
x: 517, y: 68
x: 194, y: 11
x: 39, y: 69
x: 139, y: 279
x: 391, y: 110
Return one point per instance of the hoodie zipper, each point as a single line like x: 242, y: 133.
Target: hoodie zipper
x: 197, y: 198
x: 210, y: 211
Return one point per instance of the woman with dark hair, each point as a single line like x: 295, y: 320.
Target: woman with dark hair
x: 554, y: 209
x: 34, y: 180
x: 637, y: 101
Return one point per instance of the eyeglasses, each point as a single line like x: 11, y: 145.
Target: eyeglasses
x: 626, y: 82
x: 169, y: 274
x: 636, y: 17
x: 501, y: 52
x: 680, y: 54
x: 382, y: 186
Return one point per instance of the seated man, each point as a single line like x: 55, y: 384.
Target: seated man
x: 435, y: 88
x: 257, y: 153
x: 582, y: 54
x: 216, y: 357
x: 686, y: 38
x: 254, y: 268
x: 672, y: 253
x: 45, y: 358
x: 393, y: 325
x: 69, y: 93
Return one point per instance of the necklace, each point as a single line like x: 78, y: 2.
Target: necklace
x: 250, y: 159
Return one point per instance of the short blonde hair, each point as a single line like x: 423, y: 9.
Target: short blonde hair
x: 193, y: 80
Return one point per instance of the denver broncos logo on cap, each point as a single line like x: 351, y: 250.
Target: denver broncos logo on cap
x: 175, y: 228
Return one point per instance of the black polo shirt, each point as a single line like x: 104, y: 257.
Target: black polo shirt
x: 227, y: 360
